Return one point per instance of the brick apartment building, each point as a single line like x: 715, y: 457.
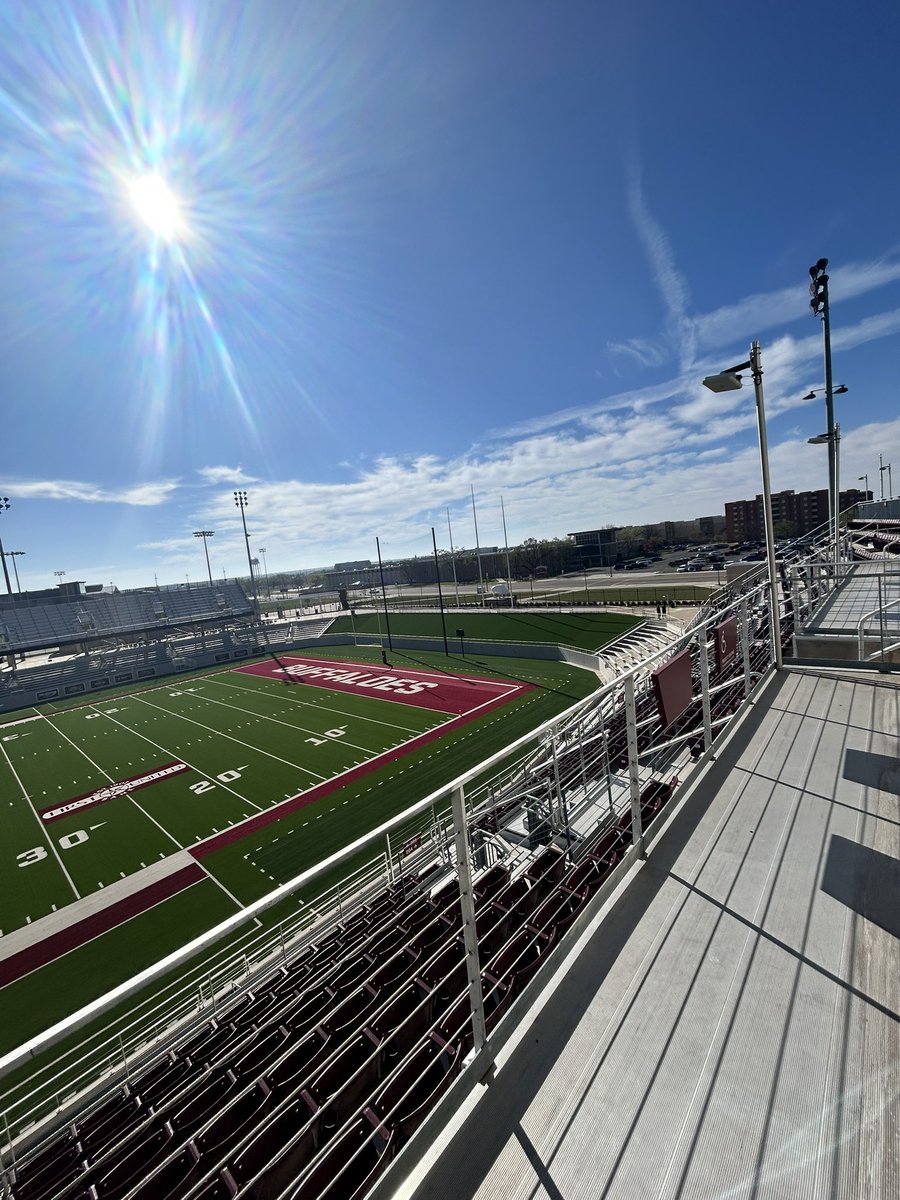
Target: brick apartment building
x: 793, y: 513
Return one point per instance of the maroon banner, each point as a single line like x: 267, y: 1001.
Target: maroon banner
x: 672, y: 687
x: 725, y: 641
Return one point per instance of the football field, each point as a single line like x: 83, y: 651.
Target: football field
x: 99, y: 792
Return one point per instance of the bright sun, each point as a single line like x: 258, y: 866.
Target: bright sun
x: 157, y: 206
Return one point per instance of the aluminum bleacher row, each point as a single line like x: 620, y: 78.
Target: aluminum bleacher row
x: 28, y: 626
x: 309, y: 1081
x: 307, y: 1084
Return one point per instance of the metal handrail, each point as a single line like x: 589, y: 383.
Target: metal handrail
x: 860, y: 631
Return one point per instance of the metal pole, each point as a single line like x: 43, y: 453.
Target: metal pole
x: 634, y: 777
x: 437, y: 567
x: 703, y: 660
x: 4, y: 505
x: 829, y: 412
x: 387, y: 619
x: 467, y: 906
x: 506, y: 547
x: 774, y: 621
x: 745, y: 648
x: 453, y: 557
x: 477, y: 548
x: 837, y: 494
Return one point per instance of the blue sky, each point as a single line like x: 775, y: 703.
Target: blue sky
x: 426, y: 246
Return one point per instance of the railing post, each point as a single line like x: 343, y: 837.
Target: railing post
x: 563, y: 807
x: 745, y: 646
x: 467, y: 907
x: 703, y: 657
x: 389, y: 860
x: 634, y: 777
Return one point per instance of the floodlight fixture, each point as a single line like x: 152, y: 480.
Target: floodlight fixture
x: 727, y: 381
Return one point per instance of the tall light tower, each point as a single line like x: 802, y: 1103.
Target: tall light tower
x: 262, y: 551
x: 14, y: 554
x: 4, y: 505
x: 241, y: 502
x: 819, y: 304
x: 206, y: 533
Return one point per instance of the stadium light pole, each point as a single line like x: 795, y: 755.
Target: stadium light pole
x: 823, y: 439
x: 437, y: 571
x: 882, y: 467
x: 477, y: 548
x: 4, y: 505
x: 387, y: 620
x: 206, y: 533
x: 14, y: 554
x: 453, y: 557
x: 834, y: 498
x: 820, y: 307
x: 262, y: 551
x: 730, y: 381
x: 506, y: 548
x: 241, y: 501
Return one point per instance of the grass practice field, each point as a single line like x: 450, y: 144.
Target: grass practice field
x: 133, y: 823
x: 583, y: 631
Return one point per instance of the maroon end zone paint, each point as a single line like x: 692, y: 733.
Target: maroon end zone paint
x: 457, y: 694
x: 109, y: 791
x: 77, y: 934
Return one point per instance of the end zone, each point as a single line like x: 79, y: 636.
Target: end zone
x: 460, y: 695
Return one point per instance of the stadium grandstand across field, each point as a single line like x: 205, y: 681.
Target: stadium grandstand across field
x: 640, y: 946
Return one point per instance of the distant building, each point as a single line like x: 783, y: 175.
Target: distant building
x: 793, y: 513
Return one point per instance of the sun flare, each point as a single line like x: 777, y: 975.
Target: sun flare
x: 157, y: 206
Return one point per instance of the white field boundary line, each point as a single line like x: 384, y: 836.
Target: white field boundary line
x: 277, y: 721
x: 111, y: 779
x: 229, y: 737
x: 338, y: 712
x: 45, y: 833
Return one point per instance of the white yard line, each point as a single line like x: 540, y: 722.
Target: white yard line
x: 166, y: 750
x: 296, y: 728
x: 230, y: 738
x: 44, y: 831
x: 112, y: 779
x: 340, y: 712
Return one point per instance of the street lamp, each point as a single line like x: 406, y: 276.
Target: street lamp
x: 262, y: 551
x: 834, y: 497
x: 819, y: 305
x: 4, y: 505
x: 206, y: 533
x: 882, y: 467
x: 14, y: 554
x: 730, y: 381
x: 865, y: 479
x: 241, y: 502
x: 833, y: 441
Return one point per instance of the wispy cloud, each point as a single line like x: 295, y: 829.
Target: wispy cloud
x: 229, y: 475
x: 678, y: 338
x: 141, y: 495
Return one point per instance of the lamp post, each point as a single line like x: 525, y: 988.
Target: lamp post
x: 4, y: 505
x: 453, y: 557
x: 729, y: 381
x: 14, y: 554
x: 834, y: 440
x: 819, y: 304
x: 834, y: 496
x: 882, y: 467
x: 241, y: 502
x: 262, y: 551
x: 864, y: 479
x: 206, y: 533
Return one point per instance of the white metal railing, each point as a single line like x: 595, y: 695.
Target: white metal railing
x: 861, y: 631
x: 571, y: 774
